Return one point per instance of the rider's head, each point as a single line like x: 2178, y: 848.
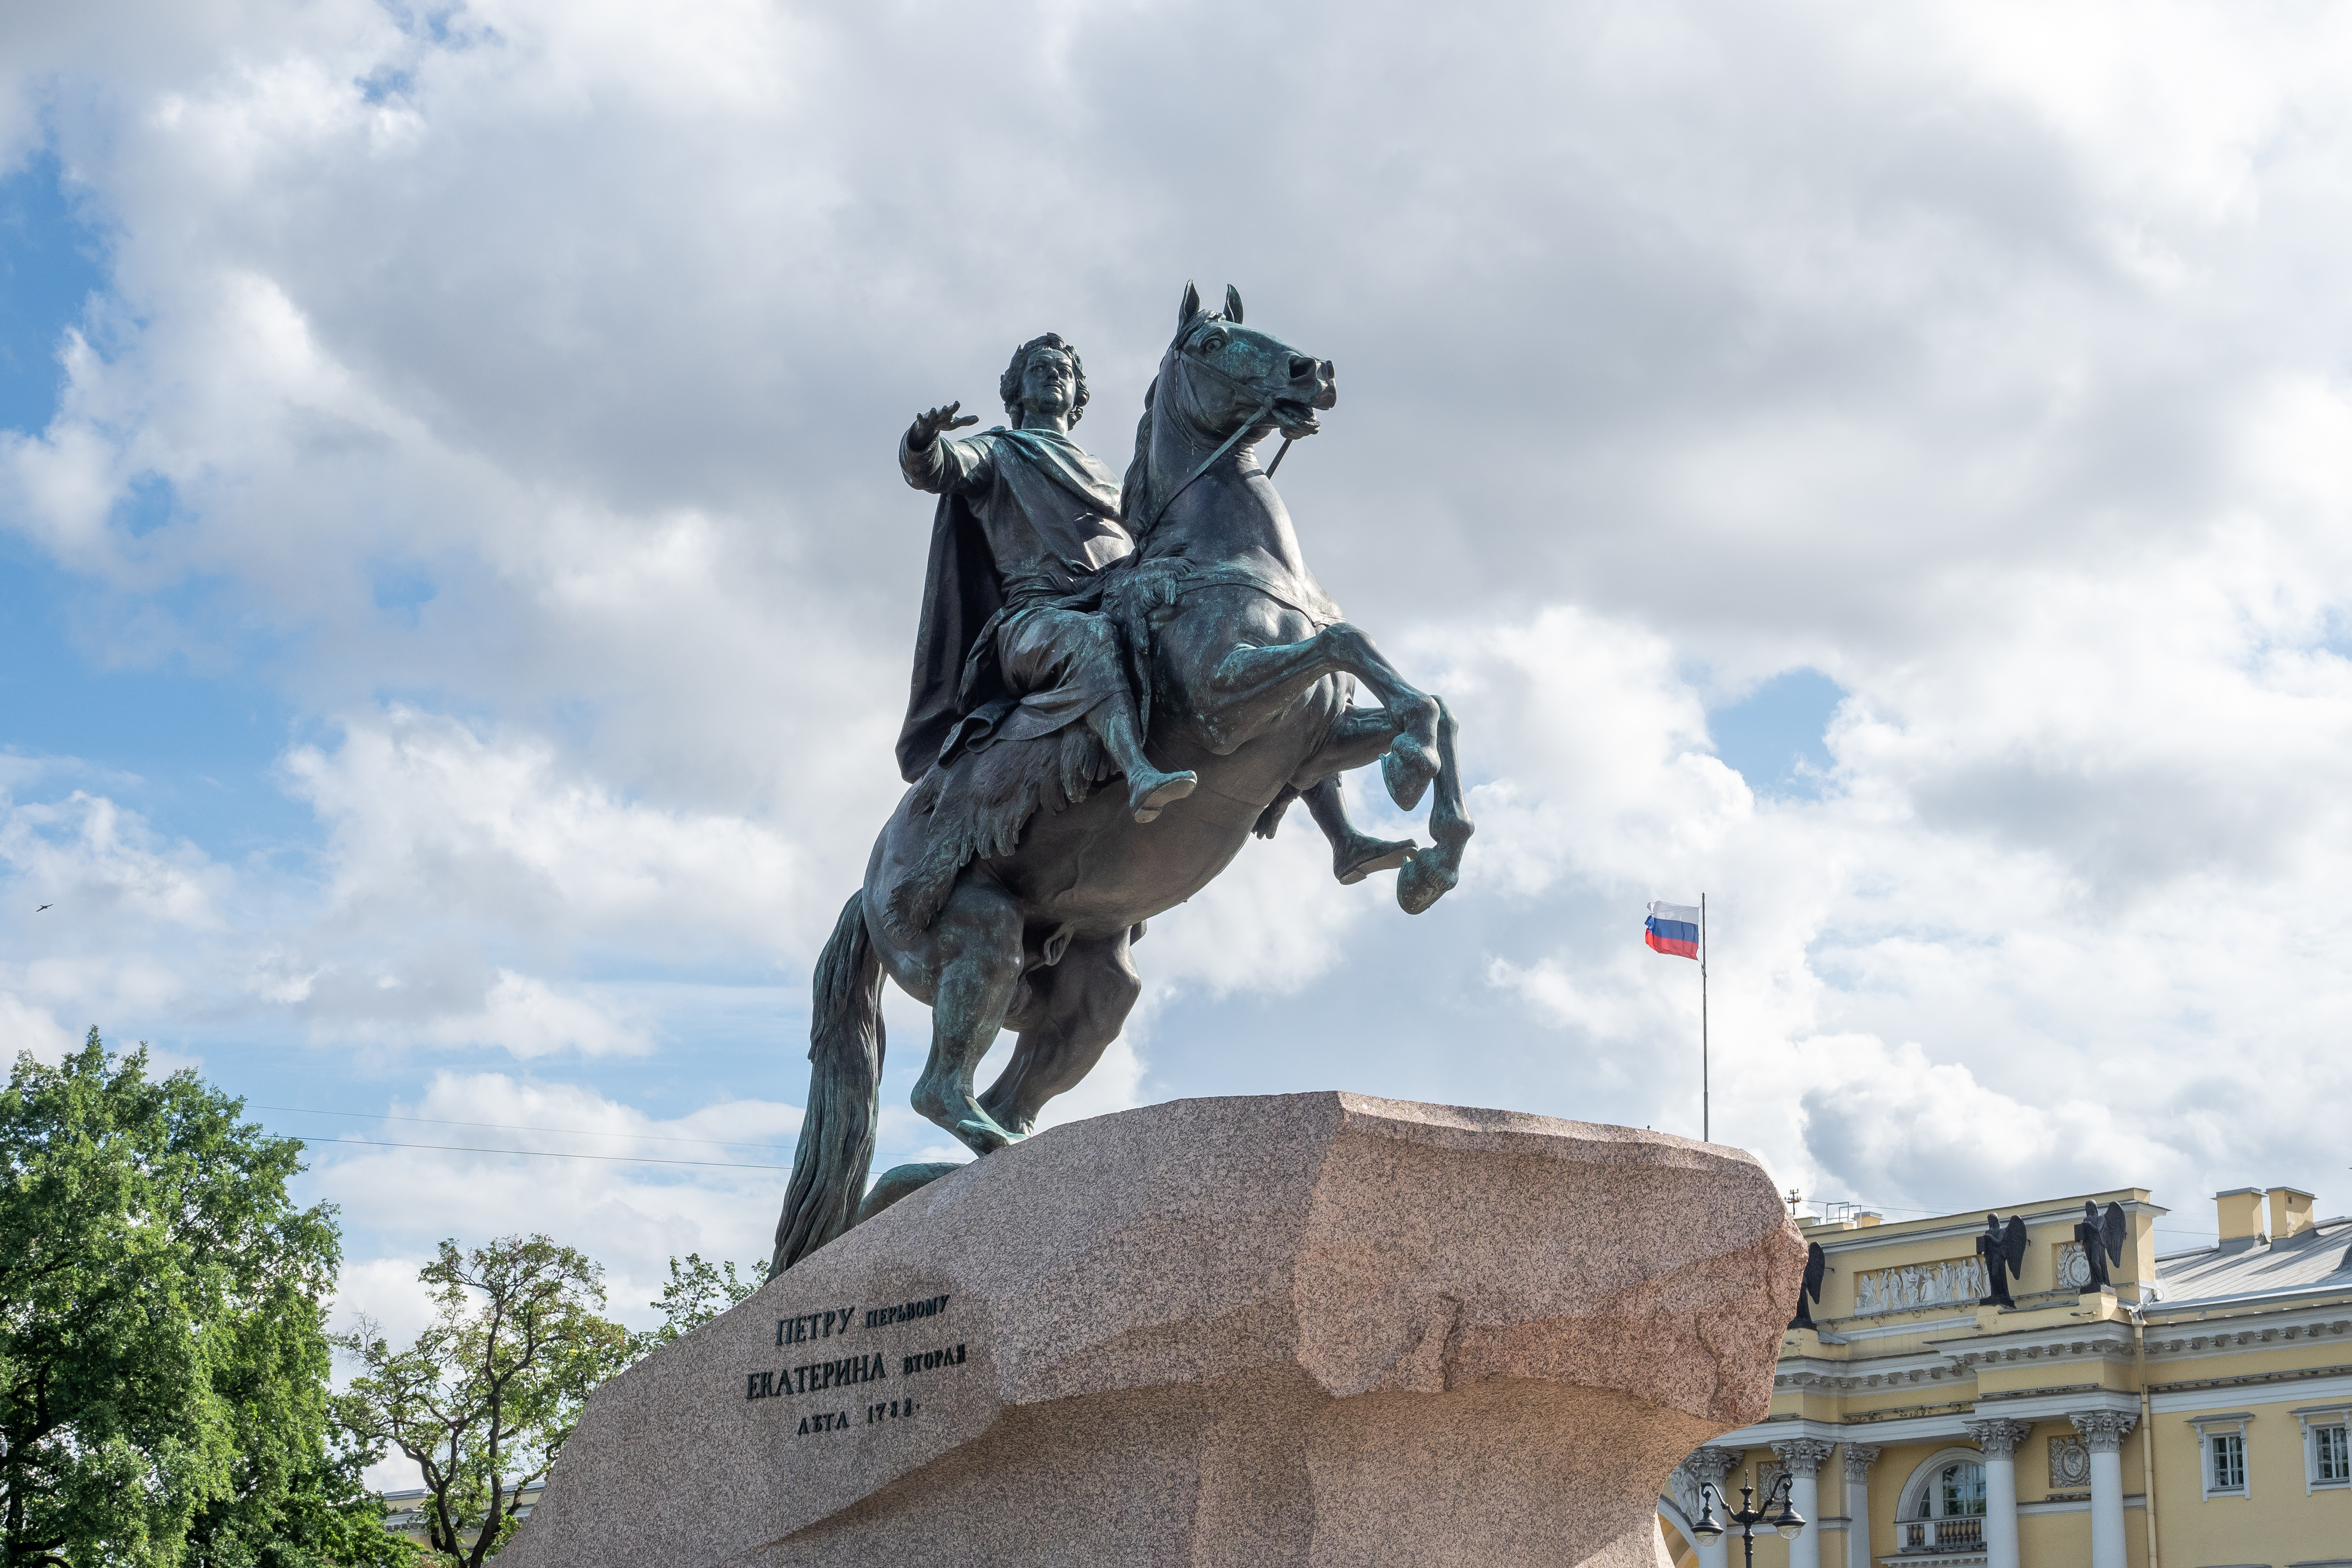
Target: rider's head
x: 1044, y: 375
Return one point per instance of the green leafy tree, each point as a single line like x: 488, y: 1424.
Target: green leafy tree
x: 162, y: 1347
x: 488, y: 1394
x: 697, y: 1293
x: 325, y: 1517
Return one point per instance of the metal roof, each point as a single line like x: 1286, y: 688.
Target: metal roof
x: 2318, y: 1258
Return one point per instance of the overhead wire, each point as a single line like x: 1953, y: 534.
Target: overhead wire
x: 519, y: 1127
x: 513, y: 1127
x: 544, y: 1154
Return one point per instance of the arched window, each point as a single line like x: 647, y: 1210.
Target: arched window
x: 1944, y: 1506
x: 1956, y: 1491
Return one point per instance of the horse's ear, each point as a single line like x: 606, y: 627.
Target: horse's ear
x: 1232, y: 305
x: 1189, y: 307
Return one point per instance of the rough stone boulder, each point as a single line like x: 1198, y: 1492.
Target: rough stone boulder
x: 1319, y: 1330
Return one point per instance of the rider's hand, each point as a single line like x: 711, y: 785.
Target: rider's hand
x: 927, y: 426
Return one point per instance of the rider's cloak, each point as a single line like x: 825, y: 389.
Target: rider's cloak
x: 1045, y: 471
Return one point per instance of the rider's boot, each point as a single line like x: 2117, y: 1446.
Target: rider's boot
x: 1147, y: 788
x: 1354, y: 855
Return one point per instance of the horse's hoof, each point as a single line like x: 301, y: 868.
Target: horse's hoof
x: 1150, y: 797
x: 1406, y: 768
x: 1371, y: 855
x: 983, y: 1136
x: 1427, y: 877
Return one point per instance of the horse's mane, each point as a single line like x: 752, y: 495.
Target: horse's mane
x: 1134, y: 491
x: 1135, y: 498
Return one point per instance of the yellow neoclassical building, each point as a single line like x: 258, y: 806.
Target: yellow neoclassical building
x: 2194, y: 1417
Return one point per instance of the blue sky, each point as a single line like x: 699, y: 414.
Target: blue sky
x: 1882, y: 469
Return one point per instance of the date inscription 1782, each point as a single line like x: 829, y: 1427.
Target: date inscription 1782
x: 833, y: 1374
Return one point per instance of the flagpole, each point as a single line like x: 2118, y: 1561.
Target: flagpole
x: 1706, y: 1110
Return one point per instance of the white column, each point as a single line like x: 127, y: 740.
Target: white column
x: 1805, y: 1458
x: 2102, y: 1433
x: 1712, y: 1466
x: 1859, y: 1458
x: 1998, y: 1440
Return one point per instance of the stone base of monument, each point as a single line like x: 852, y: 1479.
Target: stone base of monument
x: 1312, y: 1329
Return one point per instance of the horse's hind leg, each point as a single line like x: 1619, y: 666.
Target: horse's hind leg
x: 1081, y: 1004
x: 976, y: 954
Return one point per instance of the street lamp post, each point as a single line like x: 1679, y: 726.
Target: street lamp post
x: 1748, y: 1519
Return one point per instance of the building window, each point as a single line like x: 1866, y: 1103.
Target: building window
x: 1951, y: 1507
x: 2225, y: 1454
x: 2222, y: 1453
x: 1960, y: 1490
x: 2331, y: 1457
x: 2327, y: 1445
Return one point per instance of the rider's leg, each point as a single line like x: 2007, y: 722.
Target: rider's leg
x: 1082, y: 1003
x: 1076, y: 658
x: 1354, y: 855
x: 978, y: 948
x: 1147, y: 788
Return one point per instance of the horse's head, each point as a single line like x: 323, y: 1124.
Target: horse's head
x: 1225, y: 375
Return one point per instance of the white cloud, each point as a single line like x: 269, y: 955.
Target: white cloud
x: 425, y: 813
x: 526, y: 391
x: 26, y: 1028
x: 526, y: 1017
x: 640, y: 1190
x: 87, y: 855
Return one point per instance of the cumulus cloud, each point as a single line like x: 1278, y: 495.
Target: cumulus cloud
x: 33, y: 1031
x: 421, y: 808
x: 632, y: 1189
x: 520, y: 386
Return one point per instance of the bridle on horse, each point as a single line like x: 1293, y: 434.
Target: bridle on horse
x: 1265, y: 407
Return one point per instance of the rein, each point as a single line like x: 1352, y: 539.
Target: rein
x: 1264, y: 408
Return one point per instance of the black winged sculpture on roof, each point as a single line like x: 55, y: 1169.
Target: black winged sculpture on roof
x: 2102, y: 1236
x: 2003, y: 1250
x: 1816, y: 1267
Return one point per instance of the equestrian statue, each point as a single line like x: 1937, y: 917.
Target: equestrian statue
x: 1074, y: 629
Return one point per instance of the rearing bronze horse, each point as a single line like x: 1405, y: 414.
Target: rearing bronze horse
x: 1005, y: 891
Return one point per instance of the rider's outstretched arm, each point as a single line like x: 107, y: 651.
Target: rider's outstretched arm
x: 932, y: 460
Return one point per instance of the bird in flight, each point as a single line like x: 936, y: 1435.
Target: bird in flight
x: 44, y: 907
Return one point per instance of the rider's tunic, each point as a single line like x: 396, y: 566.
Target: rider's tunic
x: 1049, y: 515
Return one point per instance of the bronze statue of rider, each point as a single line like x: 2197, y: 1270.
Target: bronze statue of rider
x: 1025, y: 515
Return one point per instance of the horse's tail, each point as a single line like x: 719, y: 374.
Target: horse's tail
x: 844, y: 1099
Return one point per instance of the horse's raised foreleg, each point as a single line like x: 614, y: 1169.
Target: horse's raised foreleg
x: 1252, y: 679
x: 976, y: 954
x: 1355, y: 855
x: 1362, y: 735
x: 1433, y: 871
x: 1080, y: 1005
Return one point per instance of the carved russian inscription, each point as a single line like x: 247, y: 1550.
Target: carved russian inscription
x: 906, y: 1312
x: 813, y: 1325
x: 881, y: 1356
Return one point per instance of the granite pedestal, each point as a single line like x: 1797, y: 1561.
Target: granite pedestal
x: 1312, y: 1330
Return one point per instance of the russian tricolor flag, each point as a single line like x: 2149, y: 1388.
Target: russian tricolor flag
x: 1673, y: 928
